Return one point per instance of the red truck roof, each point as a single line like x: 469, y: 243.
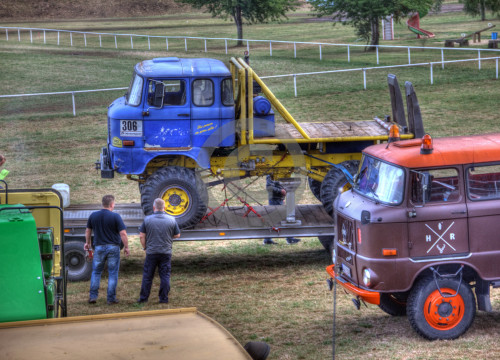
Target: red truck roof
x: 447, y: 151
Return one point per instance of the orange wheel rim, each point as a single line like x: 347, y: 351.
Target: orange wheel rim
x: 444, y: 313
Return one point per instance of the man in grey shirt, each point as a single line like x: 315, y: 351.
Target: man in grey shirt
x: 156, y: 234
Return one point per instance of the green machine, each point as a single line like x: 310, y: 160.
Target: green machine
x: 33, y: 285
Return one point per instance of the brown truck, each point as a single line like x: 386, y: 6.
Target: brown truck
x: 418, y: 233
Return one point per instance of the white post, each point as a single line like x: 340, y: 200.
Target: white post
x: 225, y: 45
x: 19, y: 35
x: 479, y: 59
x: 7, y: 34
x: 294, y: 50
x: 166, y: 41
x: 73, y: 100
x: 377, y: 56
x: 348, y: 53
x: 270, y: 48
x: 131, y: 42
x: 71, y: 38
x: 85, y: 39
x: 432, y: 77
x: 496, y: 67
x: 116, y: 44
x: 100, y: 40
x: 185, y: 44
x: 409, y: 56
x: 44, y: 38
x: 149, y: 44
x: 295, y: 84
x: 442, y: 59
x: 31, y: 36
x: 364, y: 78
x: 58, y: 38
x: 320, y: 53
x: 248, y: 47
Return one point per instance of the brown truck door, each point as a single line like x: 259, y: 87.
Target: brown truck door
x: 437, y: 226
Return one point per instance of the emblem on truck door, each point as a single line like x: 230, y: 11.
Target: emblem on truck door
x: 440, y: 243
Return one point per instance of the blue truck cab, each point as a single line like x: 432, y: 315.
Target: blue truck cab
x: 173, y: 106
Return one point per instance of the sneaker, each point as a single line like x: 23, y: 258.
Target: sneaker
x: 291, y: 241
x: 163, y: 301
x: 142, y: 301
x: 269, y: 242
x: 114, y: 302
x: 92, y: 301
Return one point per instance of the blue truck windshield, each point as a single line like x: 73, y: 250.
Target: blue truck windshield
x: 135, y: 91
x: 380, y: 181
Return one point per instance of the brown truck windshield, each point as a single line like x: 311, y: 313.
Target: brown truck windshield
x: 380, y: 181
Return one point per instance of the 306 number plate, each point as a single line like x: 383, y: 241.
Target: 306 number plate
x: 130, y: 127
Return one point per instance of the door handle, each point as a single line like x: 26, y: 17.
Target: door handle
x: 459, y: 212
x: 186, y: 115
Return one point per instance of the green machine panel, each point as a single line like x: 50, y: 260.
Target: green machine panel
x: 21, y: 274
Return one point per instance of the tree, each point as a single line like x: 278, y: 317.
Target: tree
x: 479, y: 7
x: 365, y: 15
x: 253, y: 11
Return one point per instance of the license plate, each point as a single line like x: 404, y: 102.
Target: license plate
x: 130, y: 127
x: 346, y: 270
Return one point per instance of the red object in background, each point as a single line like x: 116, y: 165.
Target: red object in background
x: 89, y: 255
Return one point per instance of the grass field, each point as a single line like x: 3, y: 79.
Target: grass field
x: 274, y: 294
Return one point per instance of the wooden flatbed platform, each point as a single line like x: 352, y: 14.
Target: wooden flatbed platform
x: 227, y: 223
x: 334, y: 129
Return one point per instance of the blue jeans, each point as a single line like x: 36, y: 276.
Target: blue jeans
x: 163, y: 262
x: 103, y: 254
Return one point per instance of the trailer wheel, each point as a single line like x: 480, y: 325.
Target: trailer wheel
x: 333, y: 181
x: 434, y: 316
x: 315, y: 187
x: 184, y: 192
x: 393, y: 304
x: 74, y: 256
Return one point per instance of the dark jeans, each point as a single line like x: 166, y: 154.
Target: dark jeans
x: 162, y: 261
x: 103, y: 254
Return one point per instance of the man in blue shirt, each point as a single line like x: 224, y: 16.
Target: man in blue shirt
x: 157, y: 233
x: 109, y: 231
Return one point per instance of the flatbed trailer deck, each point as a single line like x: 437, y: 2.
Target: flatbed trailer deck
x: 227, y: 223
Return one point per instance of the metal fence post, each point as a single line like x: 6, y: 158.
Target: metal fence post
x: 85, y: 39
x: 149, y: 44
x: 320, y: 53
x: 295, y: 84
x: 58, y: 38
x: 19, y: 35
x: 205, y: 45
x: 185, y: 44
x: 432, y: 75
x: 73, y: 100
x: 364, y: 79
x: 71, y: 38
x: 270, y: 48
x: 166, y: 41
x: 496, y: 67
x: 100, y: 41
x: 31, y: 36
x: 409, y: 56
x: 294, y: 50
x: 348, y: 53
x: 479, y: 59
x: 44, y: 38
x: 377, y: 56
x: 442, y: 59
x: 131, y: 42
x: 225, y: 45
x: 7, y: 34
x: 116, y: 43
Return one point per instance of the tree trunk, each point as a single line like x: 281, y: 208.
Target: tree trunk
x: 375, y: 36
x: 483, y: 10
x: 239, y: 24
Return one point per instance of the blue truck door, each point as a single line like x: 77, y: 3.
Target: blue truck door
x: 167, y: 123
x: 205, y: 112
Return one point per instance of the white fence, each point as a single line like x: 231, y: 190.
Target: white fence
x: 116, y: 36
x: 294, y: 76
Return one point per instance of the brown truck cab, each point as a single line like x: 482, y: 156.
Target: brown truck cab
x: 420, y: 229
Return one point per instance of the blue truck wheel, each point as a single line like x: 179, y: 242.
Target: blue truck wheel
x: 184, y: 192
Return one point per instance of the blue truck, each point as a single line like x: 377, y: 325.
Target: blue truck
x: 183, y: 121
